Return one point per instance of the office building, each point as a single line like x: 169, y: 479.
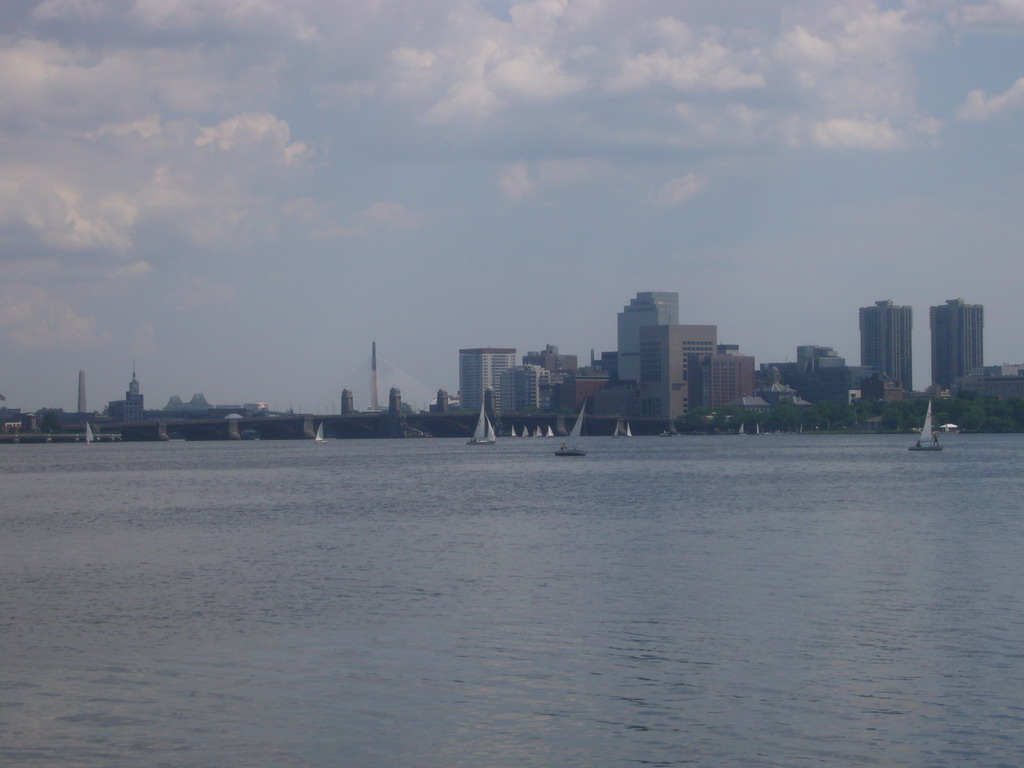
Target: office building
x: 129, y: 410
x: 667, y: 353
x: 957, y: 340
x: 721, y: 378
x: 551, y: 360
x: 648, y: 308
x: 885, y: 341
x: 480, y: 370
x: 521, y: 388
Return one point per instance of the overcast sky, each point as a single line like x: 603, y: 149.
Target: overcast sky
x: 239, y: 195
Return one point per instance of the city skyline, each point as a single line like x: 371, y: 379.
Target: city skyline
x: 475, y: 363
x: 241, y: 196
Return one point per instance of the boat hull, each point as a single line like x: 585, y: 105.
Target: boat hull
x: 925, y: 448
x: 479, y: 441
x: 571, y: 452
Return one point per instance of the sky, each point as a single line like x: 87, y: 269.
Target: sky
x: 237, y: 196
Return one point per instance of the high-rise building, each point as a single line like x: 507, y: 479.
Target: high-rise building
x: 721, y: 378
x: 885, y: 341
x: 957, y: 340
x: 667, y: 353
x: 521, y: 388
x: 550, y: 360
x: 480, y: 369
x: 646, y: 309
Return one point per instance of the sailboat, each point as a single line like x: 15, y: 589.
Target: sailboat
x: 484, y: 433
x: 622, y: 429
x: 570, y: 448
x: 320, y: 434
x: 538, y: 432
x: 550, y: 432
x: 742, y: 430
x: 512, y: 430
x: 88, y: 433
x: 927, y: 434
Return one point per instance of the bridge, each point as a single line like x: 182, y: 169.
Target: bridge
x: 356, y: 426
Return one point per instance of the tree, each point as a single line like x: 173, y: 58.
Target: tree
x: 49, y: 419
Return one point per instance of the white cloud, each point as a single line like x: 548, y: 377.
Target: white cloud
x: 849, y: 133
x: 518, y: 182
x: 254, y: 132
x: 679, y: 190
x: 998, y: 13
x: 980, y: 106
x: 33, y: 317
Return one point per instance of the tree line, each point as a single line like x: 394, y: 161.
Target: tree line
x: 967, y: 410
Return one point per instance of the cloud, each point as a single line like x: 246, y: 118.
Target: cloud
x: 679, y: 190
x: 386, y: 216
x: 687, y: 61
x: 999, y: 13
x: 518, y: 182
x: 254, y: 132
x: 979, y: 106
x: 849, y: 133
x: 34, y: 317
x: 202, y: 292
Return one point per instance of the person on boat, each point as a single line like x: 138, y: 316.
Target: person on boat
x: 918, y: 444
x: 564, y: 447
x: 935, y: 438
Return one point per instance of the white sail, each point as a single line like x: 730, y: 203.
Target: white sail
x: 742, y: 430
x: 570, y: 447
x: 88, y: 433
x: 512, y: 430
x: 926, y: 430
x: 537, y: 432
x: 577, y: 428
x: 484, y: 432
x: 629, y: 432
x: 320, y: 433
x: 550, y: 432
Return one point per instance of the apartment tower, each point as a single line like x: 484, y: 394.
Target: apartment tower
x: 957, y: 340
x: 885, y: 341
x: 480, y: 369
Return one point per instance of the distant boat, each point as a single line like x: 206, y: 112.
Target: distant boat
x: 571, y: 447
x: 550, y: 432
x: 512, y: 430
x: 320, y: 434
x: 622, y: 429
x: 927, y: 434
x: 742, y: 430
x: 538, y: 432
x: 484, y: 434
x: 88, y: 433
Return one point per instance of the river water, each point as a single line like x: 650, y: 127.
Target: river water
x: 754, y: 601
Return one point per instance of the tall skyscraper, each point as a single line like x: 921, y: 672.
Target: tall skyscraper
x: 668, y: 353
x: 480, y: 369
x: 885, y: 341
x: 646, y: 309
x: 957, y: 340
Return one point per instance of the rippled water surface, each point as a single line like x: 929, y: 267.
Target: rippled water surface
x: 759, y: 601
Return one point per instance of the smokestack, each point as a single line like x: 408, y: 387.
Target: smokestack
x: 81, y: 391
x: 374, y: 405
